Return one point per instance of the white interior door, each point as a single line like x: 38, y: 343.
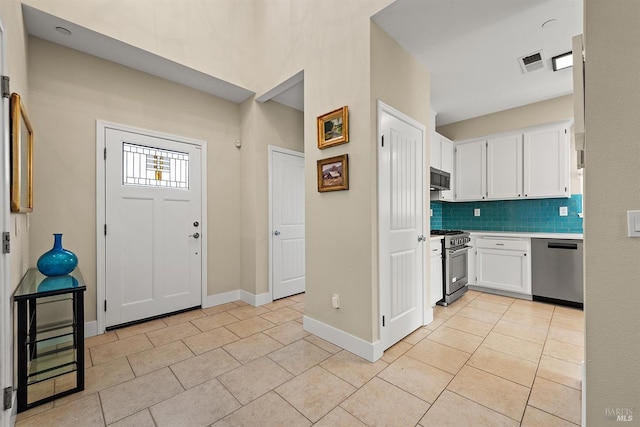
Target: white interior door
x: 287, y: 217
x: 153, y: 226
x: 401, y: 223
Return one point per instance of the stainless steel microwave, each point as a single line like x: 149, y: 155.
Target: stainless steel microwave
x: 440, y: 180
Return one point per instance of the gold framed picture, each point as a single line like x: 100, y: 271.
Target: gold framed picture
x: 21, y: 157
x: 333, y: 128
x: 333, y: 173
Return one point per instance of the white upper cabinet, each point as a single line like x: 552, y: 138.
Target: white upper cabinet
x: 546, y: 163
x: 436, y: 151
x: 471, y: 170
x: 504, y: 167
x: 446, y: 146
x: 442, y: 158
x: 441, y: 152
x: 530, y: 163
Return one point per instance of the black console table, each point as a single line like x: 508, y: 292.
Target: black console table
x: 50, y: 342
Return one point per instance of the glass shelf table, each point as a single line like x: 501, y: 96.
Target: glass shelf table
x: 50, y: 331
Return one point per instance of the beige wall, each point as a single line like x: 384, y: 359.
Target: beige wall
x: 342, y: 80
x: 335, y: 56
x: 16, y: 56
x: 214, y: 37
x: 400, y: 81
x: 549, y: 111
x: 552, y: 110
x: 339, y: 224
x: 69, y: 92
x: 262, y: 124
x: 612, y: 175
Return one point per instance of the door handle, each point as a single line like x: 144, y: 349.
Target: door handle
x: 194, y: 235
x: 422, y: 239
x: 277, y: 233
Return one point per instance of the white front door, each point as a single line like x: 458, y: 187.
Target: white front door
x: 401, y: 225
x: 153, y: 228
x: 287, y: 228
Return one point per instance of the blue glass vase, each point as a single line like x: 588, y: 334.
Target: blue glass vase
x: 57, y: 261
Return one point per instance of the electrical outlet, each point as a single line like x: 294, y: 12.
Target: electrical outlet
x: 476, y: 212
x: 564, y: 211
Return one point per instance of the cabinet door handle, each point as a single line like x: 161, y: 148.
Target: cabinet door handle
x: 499, y: 244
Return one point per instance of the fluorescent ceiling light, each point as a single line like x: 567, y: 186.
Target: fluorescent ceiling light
x: 563, y: 61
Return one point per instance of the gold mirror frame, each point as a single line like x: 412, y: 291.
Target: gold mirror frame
x: 21, y: 158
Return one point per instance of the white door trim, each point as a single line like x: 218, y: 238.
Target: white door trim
x: 274, y: 149
x: 383, y: 306
x: 101, y: 131
x: 6, y: 323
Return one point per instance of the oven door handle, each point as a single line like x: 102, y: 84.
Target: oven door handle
x: 455, y: 251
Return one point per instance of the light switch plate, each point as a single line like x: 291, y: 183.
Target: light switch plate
x: 564, y: 211
x: 633, y: 223
x: 476, y: 212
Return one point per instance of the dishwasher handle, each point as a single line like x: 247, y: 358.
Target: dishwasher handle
x: 559, y: 245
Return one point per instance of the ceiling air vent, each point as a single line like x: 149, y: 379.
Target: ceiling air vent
x: 531, y: 62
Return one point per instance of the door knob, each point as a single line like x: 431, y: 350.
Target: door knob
x: 195, y: 224
x: 277, y: 233
x: 422, y: 239
x: 194, y: 235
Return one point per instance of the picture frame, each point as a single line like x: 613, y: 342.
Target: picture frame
x: 333, y: 173
x: 21, y: 157
x: 333, y: 128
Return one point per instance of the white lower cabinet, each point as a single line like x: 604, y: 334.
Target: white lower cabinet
x: 436, y: 272
x: 471, y: 264
x: 504, y: 264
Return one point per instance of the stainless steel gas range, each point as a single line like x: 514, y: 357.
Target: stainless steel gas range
x: 455, y: 251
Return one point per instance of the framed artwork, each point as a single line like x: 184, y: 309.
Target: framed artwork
x: 333, y: 128
x: 333, y: 173
x: 21, y: 157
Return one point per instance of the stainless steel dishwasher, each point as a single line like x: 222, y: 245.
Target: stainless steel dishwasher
x: 556, y: 271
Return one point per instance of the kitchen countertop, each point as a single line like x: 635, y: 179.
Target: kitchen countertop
x: 437, y: 238
x: 533, y: 235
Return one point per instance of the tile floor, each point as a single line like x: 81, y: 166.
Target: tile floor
x: 486, y: 360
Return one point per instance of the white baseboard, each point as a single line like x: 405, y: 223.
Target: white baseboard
x: 358, y: 346
x: 255, y: 300
x: 219, y: 299
x: 237, y: 295
x: 428, y: 315
x: 90, y: 328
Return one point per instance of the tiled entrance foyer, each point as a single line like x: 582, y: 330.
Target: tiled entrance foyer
x: 484, y: 361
